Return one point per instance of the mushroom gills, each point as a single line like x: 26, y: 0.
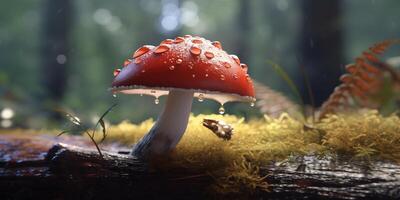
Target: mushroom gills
x: 169, y: 128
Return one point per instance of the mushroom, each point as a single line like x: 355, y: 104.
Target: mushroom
x: 182, y: 68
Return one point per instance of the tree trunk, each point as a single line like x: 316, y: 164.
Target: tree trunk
x: 320, y: 47
x: 54, y: 51
x: 243, y: 29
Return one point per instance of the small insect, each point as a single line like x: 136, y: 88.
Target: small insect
x: 219, y: 128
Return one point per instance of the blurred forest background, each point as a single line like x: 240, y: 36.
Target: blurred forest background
x: 61, y: 53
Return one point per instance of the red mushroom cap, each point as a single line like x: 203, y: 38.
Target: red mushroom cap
x: 187, y: 63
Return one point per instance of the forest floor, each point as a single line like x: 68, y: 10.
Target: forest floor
x: 338, y: 158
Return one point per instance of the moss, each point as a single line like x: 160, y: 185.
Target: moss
x: 257, y: 142
x: 366, y: 135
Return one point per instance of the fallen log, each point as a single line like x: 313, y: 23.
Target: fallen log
x: 35, y: 166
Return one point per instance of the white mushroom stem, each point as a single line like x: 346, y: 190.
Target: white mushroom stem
x: 170, y: 126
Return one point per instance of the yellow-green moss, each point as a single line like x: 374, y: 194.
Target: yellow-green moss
x: 365, y: 135
x: 234, y: 164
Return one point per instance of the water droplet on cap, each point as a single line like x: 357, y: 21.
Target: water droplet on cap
x: 206, y: 75
x: 161, y: 49
x: 138, y: 60
x: 178, y: 61
x: 217, y: 44
x: 171, y: 67
x: 235, y: 76
x: 237, y: 60
x: 222, y: 77
x: 221, y: 110
x: 142, y: 50
x: 244, y: 67
x: 143, y: 71
x: 197, y: 41
x: 227, y: 65
x: 193, y: 75
x: 195, y: 50
x: 127, y: 62
x: 248, y: 78
x: 179, y: 40
x: 209, y: 55
x: 116, y: 72
x: 167, y: 41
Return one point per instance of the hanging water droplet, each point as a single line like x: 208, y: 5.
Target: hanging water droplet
x: 114, y: 95
x: 167, y: 41
x: 179, y: 40
x: 221, y: 110
x: 142, y: 50
x: 227, y: 65
x: 222, y: 77
x: 197, y: 41
x: 116, y: 72
x: 161, y: 49
x: 201, y: 98
x: 209, y: 55
x: 141, y: 95
x: 178, y: 61
x: 156, y: 101
x: 252, y: 104
x: 217, y: 44
x: 195, y: 50
x: 236, y: 59
x: 171, y: 67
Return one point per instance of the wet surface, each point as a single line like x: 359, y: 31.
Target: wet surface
x: 17, y: 148
x: 335, y: 178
